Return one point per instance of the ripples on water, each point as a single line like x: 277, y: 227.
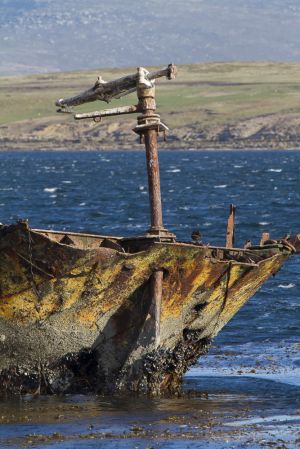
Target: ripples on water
x: 255, y: 360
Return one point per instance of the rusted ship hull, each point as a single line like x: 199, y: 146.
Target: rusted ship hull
x: 80, y: 313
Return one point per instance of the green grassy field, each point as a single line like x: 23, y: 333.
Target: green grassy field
x: 203, y: 95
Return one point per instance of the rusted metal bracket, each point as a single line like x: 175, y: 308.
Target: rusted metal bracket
x: 146, y: 122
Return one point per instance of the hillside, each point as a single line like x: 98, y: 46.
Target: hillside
x: 212, y: 105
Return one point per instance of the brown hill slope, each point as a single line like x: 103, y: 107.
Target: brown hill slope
x: 219, y: 105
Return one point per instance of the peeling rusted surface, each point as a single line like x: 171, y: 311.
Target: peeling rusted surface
x: 230, y: 227
x: 76, y: 315
x: 153, y: 179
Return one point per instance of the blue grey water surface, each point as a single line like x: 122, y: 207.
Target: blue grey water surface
x: 254, y: 365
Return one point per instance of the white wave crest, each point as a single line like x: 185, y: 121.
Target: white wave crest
x: 286, y: 285
x: 50, y: 189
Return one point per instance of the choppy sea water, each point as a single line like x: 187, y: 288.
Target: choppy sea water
x: 246, y: 391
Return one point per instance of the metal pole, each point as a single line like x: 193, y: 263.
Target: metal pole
x: 230, y: 227
x: 155, y: 308
x: 148, y: 126
x: 153, y: 180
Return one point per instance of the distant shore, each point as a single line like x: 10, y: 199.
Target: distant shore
x: 53, y: 133
x: 240, y: 105
x: 130, y: 143
x: 17, y: 147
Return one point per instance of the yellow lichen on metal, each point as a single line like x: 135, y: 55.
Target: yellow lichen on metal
x: 92, y: 286
x: 117, y: 282
x: 184, y: 280
x: 215, y: 295
x: 60, y: 295
x: 190, y: 269
x: 13, y: 275
x: 19, y: 308
x: 30, y: 297
x: 19, y: 298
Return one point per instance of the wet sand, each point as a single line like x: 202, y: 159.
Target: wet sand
x: 235, y: 413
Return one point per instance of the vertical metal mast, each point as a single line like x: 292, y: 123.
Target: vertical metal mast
x: 148, y: 127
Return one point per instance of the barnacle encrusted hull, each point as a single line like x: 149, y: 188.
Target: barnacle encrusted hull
x: 79, y: 312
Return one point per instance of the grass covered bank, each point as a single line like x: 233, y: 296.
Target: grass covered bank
x: 215, y: 105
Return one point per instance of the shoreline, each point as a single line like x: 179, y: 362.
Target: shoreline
x: 134, y: 146
x: 109, y: 149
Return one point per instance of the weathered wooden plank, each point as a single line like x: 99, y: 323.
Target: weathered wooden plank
x: 106, y: 91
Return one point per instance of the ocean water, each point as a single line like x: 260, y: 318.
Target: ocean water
x: 246, y: 391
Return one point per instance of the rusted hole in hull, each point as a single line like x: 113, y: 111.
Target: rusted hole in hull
x: 199, y: 307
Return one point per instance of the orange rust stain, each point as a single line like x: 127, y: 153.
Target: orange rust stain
x: 117, y: 283
x: 185, y: 280
x: 89, y: 290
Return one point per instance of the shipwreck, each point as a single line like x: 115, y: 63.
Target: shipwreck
x: 95, y: 313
